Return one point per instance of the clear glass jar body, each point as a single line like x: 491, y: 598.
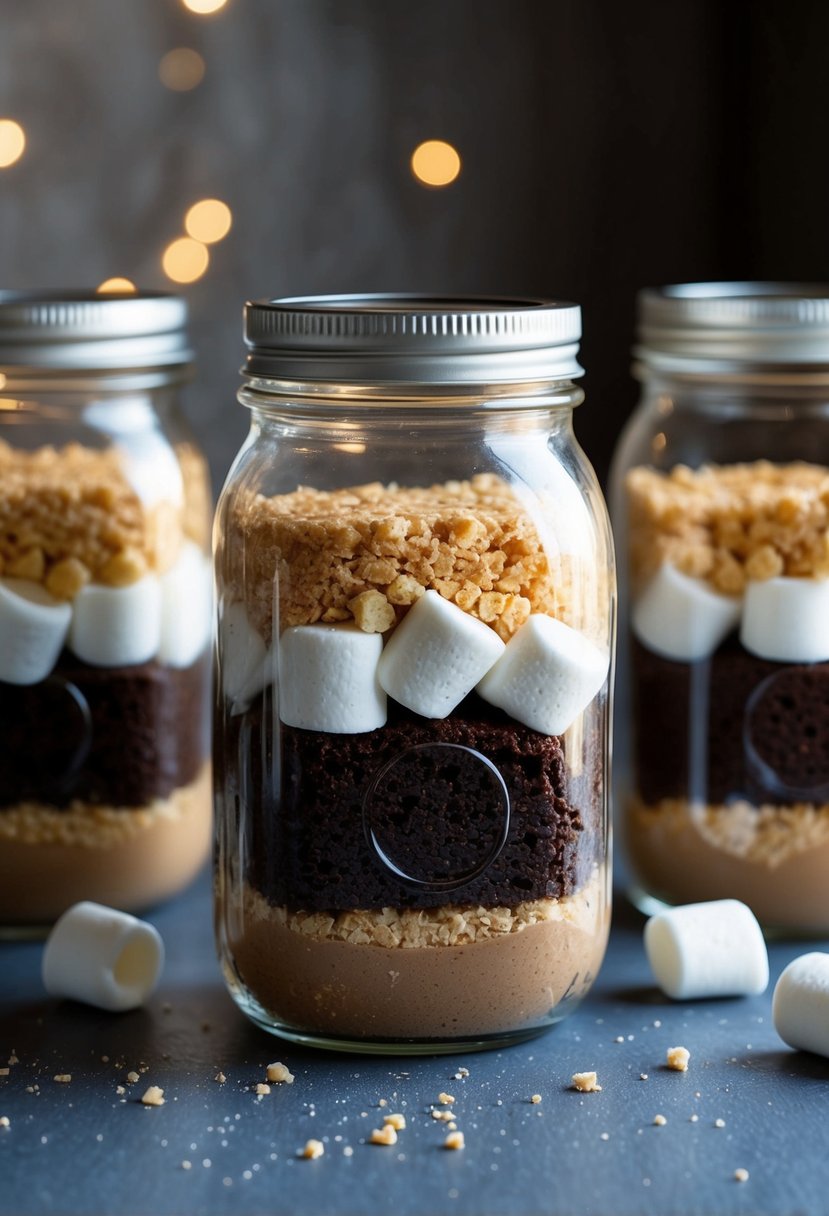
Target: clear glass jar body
x: 106, y: 600
x: 719, y: 495
x: 389, y: 877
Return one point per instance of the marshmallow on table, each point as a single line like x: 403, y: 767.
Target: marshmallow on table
x: 117, y: 626
x: 103, y: 957
x: 787, y: 620
x: 436, y: 656
x: 800, y: 1006
x: 33, y: 628
x: 546, y: 676
x: 681, y: 618
x: 708, y: 949
x: 328, y: 679
x: 244, y: 657
x: 186, y: 608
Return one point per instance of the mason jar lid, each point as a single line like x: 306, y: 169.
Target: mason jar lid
x: 412, y: 339
x: 734, y: 327
x: 81, y: 331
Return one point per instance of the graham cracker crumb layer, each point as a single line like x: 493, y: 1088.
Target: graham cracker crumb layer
x: 337, y: 554
x: 394, y: 928
x: 730, y: 523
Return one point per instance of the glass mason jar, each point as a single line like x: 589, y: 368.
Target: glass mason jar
x: 105, y: 606
x: 415, y: 588
x: 721, y: 506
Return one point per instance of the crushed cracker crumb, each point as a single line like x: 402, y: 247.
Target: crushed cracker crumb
x: 535, y: 1099
x: 153, y: 1096
x: 398, y: 1122
x: 741, y: 1175
x: 446, y: 1099
x: 454, y: 1140
x: 586, y: 1082
x: 263, y: 1089
x: 220, y: 1077
x: 5, y: 1121
x: 719, y: 1123
x: 280, y: 1073
x: 660, y: 1120
x: 313, y: 1149
x: 383, y: 1135
x: 677, y: 1058
x: 63, y: 1077
x: 132, y: 1077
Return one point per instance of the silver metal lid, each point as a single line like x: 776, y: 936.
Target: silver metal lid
x: 734, y: 327
x: 412, y: 339
x: 80, y: 331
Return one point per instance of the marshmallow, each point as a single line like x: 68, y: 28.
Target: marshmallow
x: 243, y: 657
x: 436, y: 656
x: 800, y: 1005
x: 787, y: 619
x: 546, y: 676
x: 186, y: 608
x: 328, y: 679
x: 117, y: 626
x: 33, y: 628
x: 681, y: 618
x: 708, y: 949
x: 103, y: 957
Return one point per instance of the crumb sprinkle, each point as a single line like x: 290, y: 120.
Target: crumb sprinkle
x: 741, y: 1175
x: 586, y: 1083
x: 677, y: 1058
x: 153, y: 1096
x: 535, y: 1099
x: 280, y: 1074
x: 313, y: 1149
x: 132, y: 1077
x: 63, y: 1077
x: 220, y: 1077
x: 398, y: 1122
x: 719, y: 1123
x: 262, y: 1089
x: 660, y: 1120
x: 383, y: 1135
x: 446, y: 1099
x: 455, y: 1141
x: 5, y: 1121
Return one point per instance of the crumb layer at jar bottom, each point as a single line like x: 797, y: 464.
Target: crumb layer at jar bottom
x: 773, y: 858
x: 364, y: 975
x: 129, y: 858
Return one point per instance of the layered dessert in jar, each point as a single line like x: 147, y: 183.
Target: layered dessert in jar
x: 105, y: 624
x: 730, y: 677
x: 409, y: 764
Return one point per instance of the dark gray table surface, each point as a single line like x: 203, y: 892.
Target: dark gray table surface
x: 82, y: 1148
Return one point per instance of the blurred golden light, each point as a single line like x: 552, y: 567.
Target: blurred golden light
x: 181, y: 69
x: 2, y: 380
x: 12, y: 142
x: 208, y: 221
x: 185, y: 260
x: 435, y: 163
x: 115, y: 285
x: 204, y: 6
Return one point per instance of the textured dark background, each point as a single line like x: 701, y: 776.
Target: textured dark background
x: 605, y: 146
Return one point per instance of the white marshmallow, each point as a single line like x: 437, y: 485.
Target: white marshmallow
x: 33, y: 628
x: 244, y: 659
x: 681, y: 618
x: 103, y: 957
x: 117, y: 626
x: 328, y: 679
x: 709, y: 949
x: 436, y: 656
x: 787, y: 620
x: 546, y: 676
x: 186, y: 608
x: 800, y: 1005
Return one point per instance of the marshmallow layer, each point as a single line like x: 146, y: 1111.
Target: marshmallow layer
x: 186, y: 608
x: 547, y: 674
x: 787, y: 620
x: 117, y: 626
x: 328, y: 679
x: 436, y: 656
x: 707, y: 950
x: 800, y: 1006
x: 33, y: 629
x: 244, y: 657
x: 681, y: 618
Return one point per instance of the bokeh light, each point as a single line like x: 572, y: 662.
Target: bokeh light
x: 208, y: 221
x: 12, y: 142
x: 185, y: 260
x: 203, y: 7
x: 115, y: 285
x: 435, y: 163
x: 181, y: 69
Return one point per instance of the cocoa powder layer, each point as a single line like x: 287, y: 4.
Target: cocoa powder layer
x: 515, y: 974
x: 773, y: 858
x: 126, y: 857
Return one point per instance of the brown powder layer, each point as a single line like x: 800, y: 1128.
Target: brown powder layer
x: 125, y: 857
x: 730, y: 523
x: 505, y: 973
x: 773, y: 858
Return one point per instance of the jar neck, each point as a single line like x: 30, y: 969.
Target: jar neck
x: 95, y: 382
x: 735, y: 396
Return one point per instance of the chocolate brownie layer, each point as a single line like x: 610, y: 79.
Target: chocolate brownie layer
x: 734, y: 726
x: 112, y: 736
x: 432, y: 796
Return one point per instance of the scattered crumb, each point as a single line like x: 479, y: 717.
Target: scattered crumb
x: 643, y: 1076
x: 63, y: 1077
x: 719, y: 1123
x: 398, y: 1122
x: 535, y: 1099
x: 279, y: 1072
x: 677, y: 1058
x: 119, y: 1089
x: 154, y: 1096
x: 383, y: 1135
x: 453, y: 1127
x: 382, y: 1102
x: 220, y: 1077
x: 313, y: 1148
x: 445, y: 1115
x: 263, y: 1089
x: 5, y: 1121
x: 620, y: 1038
x: 694, y: 1119
x: 586, y: 1083
x: 348, y: 1151
x: 604, y: 1136
x: 454, y: 1140
x: 132, y: 1077
x: 660, y: 1120
x: 461, y: 1074
x: 186, y: 1165
x: 741, y: 1175
x: 446, y: 1099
